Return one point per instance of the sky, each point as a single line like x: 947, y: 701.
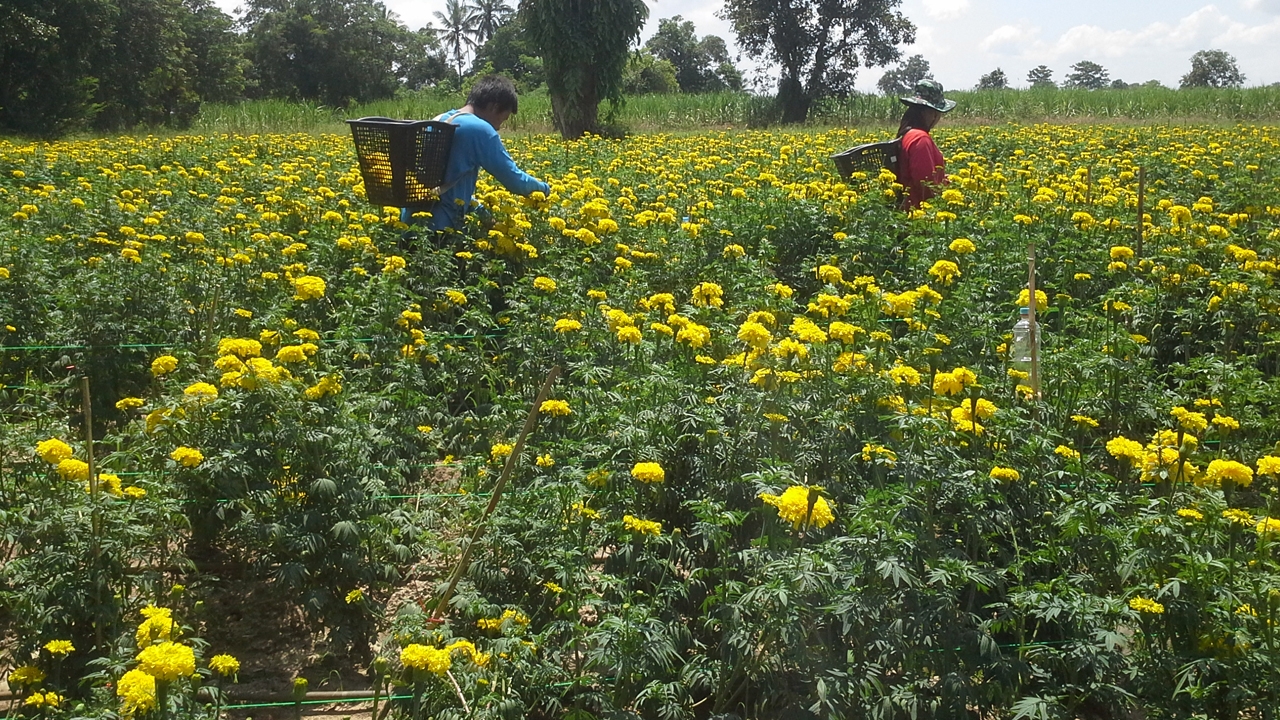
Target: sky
x: 1134, y: 40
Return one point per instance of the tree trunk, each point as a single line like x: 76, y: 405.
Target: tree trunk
x: 793, y: 100
x: 575, y: 107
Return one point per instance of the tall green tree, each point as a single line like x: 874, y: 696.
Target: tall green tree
x: 902, y: 79
x: 994, y: 80
x: 1213, y: 68
x: 112, y: 64
x: 457, y: 30
x: 584, y: 46
x: 700, y: 64
x: 511, y: 53
x: 818, y: 45
x: 1087, y: 75
x: 487, y: 16
x: 1041, y: 77
x: 424, y: 64
x: 330, y: 51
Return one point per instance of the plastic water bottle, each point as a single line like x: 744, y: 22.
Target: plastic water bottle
x: 1023, y: 339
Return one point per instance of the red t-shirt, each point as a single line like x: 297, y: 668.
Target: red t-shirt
x: 921, y: 161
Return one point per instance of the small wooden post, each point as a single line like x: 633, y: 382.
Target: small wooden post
x: 1031, y: 319
x: 1088, y: 186
x: 86, y: 408
x: 438, y: 615
x: 1142, y: 191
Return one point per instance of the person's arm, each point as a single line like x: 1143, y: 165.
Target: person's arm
x: 495, y: 159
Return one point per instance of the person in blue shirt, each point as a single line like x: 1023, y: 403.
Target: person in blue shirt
x: 476, y: 145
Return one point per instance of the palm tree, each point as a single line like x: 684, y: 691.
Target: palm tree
x: 459, y: 27
x: 487, y: 16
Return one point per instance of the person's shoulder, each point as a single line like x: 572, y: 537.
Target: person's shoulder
x: 915, y: 135
x: 474, y: 126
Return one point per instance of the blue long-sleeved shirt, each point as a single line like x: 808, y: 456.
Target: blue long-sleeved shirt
x: 475, y: 145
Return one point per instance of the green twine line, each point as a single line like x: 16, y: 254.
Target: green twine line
x: 342, y: 701
x: 131, y: 346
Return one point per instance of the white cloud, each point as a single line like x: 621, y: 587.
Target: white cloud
x: 1011, y: 40
x: 1266, y: 6
x: 945, y: 9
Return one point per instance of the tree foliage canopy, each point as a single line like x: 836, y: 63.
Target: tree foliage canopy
x: 994, y: 80
x: 818, y: 44
x: 1087, y: 75
x: 584, y: 46
x: 1213, y: 68
x: 902, y: 79
x: 701, y: 65
x: 1041, y: 77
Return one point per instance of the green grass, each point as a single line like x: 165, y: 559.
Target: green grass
x: 650, y: 113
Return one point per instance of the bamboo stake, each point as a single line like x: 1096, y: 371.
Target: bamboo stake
x: 1031, y: 318
x: 86, y: 409
x: 438, y: 615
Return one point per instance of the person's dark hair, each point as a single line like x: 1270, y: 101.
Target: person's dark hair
x: 494, y: 92
x: 914, y: 117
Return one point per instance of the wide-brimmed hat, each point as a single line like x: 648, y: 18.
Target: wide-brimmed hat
x: 929, y: 94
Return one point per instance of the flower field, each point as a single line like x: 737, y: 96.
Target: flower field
x: 791, y: 467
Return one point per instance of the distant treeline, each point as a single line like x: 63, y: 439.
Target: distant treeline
x: 688, y: 112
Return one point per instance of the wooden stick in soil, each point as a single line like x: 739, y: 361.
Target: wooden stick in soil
x: 529, y: 421
x: 86, y: 409
x: 1142, y: 192
x: 1031, y: 320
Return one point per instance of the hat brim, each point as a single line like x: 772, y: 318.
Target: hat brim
x: 945, y: 107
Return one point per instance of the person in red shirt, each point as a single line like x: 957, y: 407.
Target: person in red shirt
x: 921, y: 168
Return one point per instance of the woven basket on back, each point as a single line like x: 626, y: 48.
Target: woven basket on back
x: 869, y: 158
x: 402, y: 161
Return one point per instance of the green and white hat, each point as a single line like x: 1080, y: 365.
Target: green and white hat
x: 929, y: 94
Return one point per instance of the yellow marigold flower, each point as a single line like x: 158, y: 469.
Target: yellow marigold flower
x: 708, y: 294
x: 53, y: 451
x: 187, y: 457
x: 629, y: 334
x: 1268, y: 526
x: 1081, y: 277
x: 597, y: 295
x: 1084, y: 421
x: 327, y: 386
x: 308, y: 287
x: 305, y: 334
x: 59, y: 648
x: 1237, y: 516
x: 1121, y: 252
x: 945, y: 271
x: 755, y: 334
x: 945, y: 383
x: 1123, y: 448
x: 425, y: 657
x: 224, y: 665
x: 393, y: 263
x: 500, y: 450
x: 164, y: 365
x: 648, y: 472
x: 830, y: 274
x: 878, y: 453
x: 73, y: 469
x: 693, y: 333
x: 545, y: 284
x: 734, y: 251
x: 1269, y: 465
x: 1225, y: 422
x: 1004, y: 474
x: 167, y: 661
x: 134, y: 493
x: 1190, y: 514
x: 1219, y: 470
x: 1042, y: 300
x: 806, y: 331
x: 844, y: 332
x: 793, y: 507
x: 545, y: 461
x: 1067, y: 452
x: 26, y: 676
x: 296, y: 353
x: 137, y: 692
x: 555, y: 408
x: 905, y: 375
x: 130, y: 403
x: 789, y: 347
x: 1192, y: 422
x: 1143, y: 605
x: 202, y: 391
x: 567, y: 325
x: 242, y: 348
x: 962, y: 246
x: 641, y: 527
x: 781, y: 290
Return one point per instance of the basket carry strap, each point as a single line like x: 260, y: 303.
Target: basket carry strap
x: 442, y: 189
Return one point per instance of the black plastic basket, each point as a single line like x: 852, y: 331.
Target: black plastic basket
x: 402, y: 161
x: 869, y: 158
